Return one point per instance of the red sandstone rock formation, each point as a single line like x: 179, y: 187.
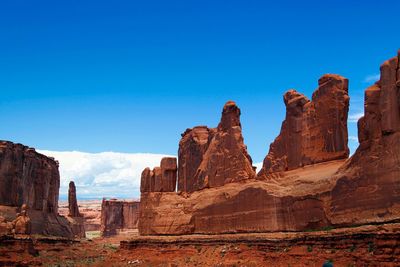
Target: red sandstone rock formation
x: 313, y: 131
x: 117, y: 215
x: 214, y: 157
x: 28, y: 177
x: 360, y: 190
x: 72, y: 202
x: 160, y: 179
x: 192, y: 147
x: 22, y: 224
x: 368, y: 189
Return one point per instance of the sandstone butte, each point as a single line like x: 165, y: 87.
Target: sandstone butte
x: 29, y: 189
x: 118, y: 215
x: 307, y: 180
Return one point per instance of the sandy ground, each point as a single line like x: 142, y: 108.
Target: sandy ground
x: 375, y: 245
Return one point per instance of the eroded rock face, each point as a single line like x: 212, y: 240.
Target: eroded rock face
x: 214, y: 157
x: 27, y: 177
x: 160, y: 179
x: 335, y: 192
x: 192, y: 147
x: 32, y: 179
x: 117, y: 215
x: 22, y: 224
x: 72, y: 202
x: 313, y: 131
x: 368, y: 189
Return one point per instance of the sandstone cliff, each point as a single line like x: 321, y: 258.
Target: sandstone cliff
x: 27, y: 177
x: 368, y: 189
x: 313, y: 131
x: 32, y: 180
x: 309, y: 195
x: 118, y: 215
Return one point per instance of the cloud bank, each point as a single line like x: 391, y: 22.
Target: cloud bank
x: 355, y: 117
x: 106, y: 174
x: 372, y: 78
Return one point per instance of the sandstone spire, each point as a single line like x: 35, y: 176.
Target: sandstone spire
x: 72, y: 202
x: 313, y: 131
x: 214, y: 157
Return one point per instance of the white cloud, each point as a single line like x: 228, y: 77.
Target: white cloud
x: 372, y: 78
x: 258, y: 165
x: 355, y: 117
x: 353, y: 138
x: 106, y: 174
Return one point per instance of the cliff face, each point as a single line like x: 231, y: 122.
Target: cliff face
x: 28, y: 177
x: 118, y: 215
x: 308, y: 182
x: 313, y: 131
x: 369, y: 184
x: 32, y: 180
x: 192, y: 147
x: 213, y: 157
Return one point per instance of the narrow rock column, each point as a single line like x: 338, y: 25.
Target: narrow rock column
x: 72, y: 202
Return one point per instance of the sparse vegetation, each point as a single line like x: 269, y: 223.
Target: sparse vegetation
x: 309, y: 248
x: 110, y: 246
x: 93, y: 234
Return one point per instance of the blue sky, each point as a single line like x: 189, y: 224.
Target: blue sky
x: 131, y: 76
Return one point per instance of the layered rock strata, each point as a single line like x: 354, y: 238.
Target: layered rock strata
x: 335, y: 192
x: 118, y: 215
x: 313, y: 131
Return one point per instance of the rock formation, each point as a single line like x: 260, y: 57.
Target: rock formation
x: 313, y: 131
x: 28, y: 177
x: 310, y: 184
x: 33, y: 180
x: 72, y: 203
x: 22, y: 224
x: 160, y: 179
x: 214, y: 157
x: 368, y: 189
x: 118, y: 215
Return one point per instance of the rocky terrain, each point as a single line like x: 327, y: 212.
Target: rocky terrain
x: 373, y: 245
